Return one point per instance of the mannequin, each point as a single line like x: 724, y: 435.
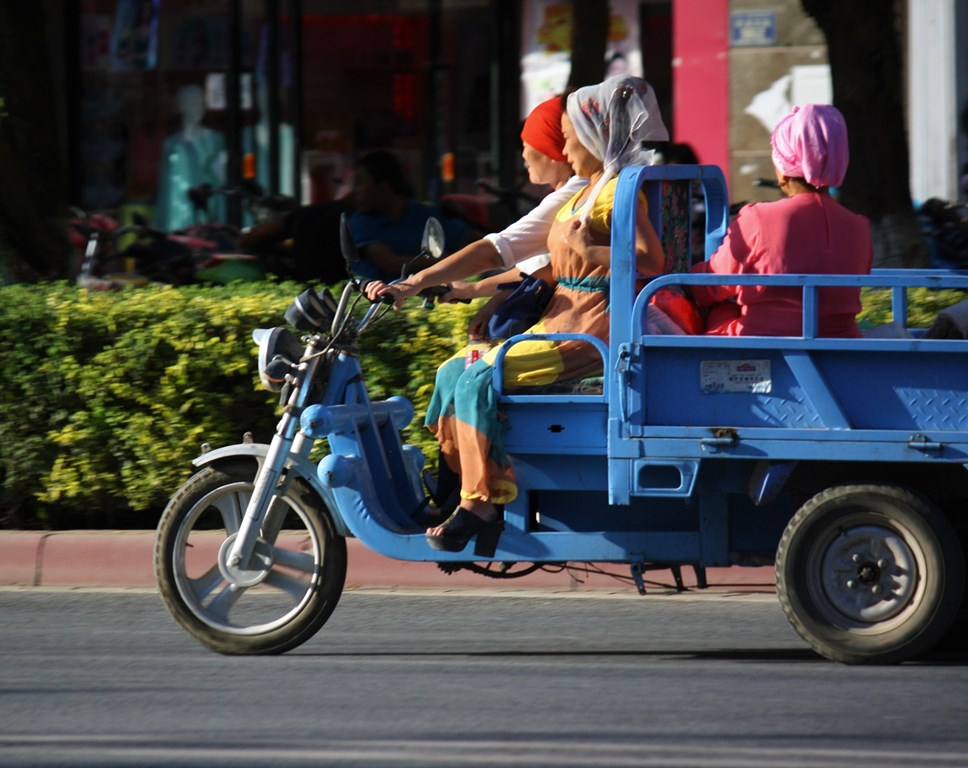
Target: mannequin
x: 194, y: 155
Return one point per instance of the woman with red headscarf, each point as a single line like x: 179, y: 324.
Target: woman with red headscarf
x: 807, y: 232
x: 523, y: 246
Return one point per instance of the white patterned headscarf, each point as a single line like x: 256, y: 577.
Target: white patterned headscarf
x: 611, y: 120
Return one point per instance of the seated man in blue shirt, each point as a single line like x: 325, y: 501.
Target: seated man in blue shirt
x: 388, y: 224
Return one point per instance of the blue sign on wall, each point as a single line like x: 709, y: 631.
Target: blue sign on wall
x: 749, y: 28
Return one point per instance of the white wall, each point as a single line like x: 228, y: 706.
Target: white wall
x: 932, y: 96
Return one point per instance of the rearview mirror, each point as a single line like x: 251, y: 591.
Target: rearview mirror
x: 432, y: 242
x: 346, y: 244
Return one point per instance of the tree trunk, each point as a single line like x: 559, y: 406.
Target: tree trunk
x: 589, y: 30
x: 33, y: 238
x: 868, y: 88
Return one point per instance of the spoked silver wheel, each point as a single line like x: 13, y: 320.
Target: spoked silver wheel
x: 869, y: 574
x: 274, y: 602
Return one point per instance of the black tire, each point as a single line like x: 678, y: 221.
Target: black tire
x: 870, y: 574
x: 284, y: 600
x: 956, y: 638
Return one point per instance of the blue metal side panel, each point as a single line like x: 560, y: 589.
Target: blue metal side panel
x: 680, y: 400
x: 548, y: 426
x: 824, y: 389
x: 567, y: 472
x: 892, y: 391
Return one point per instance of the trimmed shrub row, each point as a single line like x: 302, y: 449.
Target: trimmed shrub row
x: 107, y: 397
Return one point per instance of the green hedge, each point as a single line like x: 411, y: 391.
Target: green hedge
x: 923, y: 306
x: 107, y: 397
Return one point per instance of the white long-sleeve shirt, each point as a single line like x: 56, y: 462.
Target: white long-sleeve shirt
x: 525, y: 242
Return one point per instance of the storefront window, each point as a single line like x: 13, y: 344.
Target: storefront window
x: 152, y: 119
x: 371, y: 80
x: 155, y: 109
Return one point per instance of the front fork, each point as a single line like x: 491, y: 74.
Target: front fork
x: 286, y: 438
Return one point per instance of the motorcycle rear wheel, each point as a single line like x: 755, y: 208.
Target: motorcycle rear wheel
x: 288, y: 591
x: 869, y: 574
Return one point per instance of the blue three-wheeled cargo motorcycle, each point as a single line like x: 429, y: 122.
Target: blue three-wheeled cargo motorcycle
x: 843, y: 462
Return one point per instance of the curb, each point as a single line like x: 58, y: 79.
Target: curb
x: 123, y: 559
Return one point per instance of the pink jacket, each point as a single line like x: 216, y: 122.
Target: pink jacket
x: 804, y: 234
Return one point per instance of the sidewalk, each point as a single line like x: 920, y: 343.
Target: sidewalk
x: 124, y: 559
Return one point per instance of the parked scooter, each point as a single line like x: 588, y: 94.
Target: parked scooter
x: 207, y: 251
x: 102, y: 267
x: 256, y: 204
x: 234, y: 257
x: 493, y: 211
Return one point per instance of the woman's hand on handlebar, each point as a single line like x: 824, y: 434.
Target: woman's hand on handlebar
x: 390, y: 293
x: 458, y: 290
x: 373, y: 289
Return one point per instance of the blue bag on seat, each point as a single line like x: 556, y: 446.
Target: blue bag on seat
x: 521, y: 309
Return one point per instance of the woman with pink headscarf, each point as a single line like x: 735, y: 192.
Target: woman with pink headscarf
x: 807, y: 232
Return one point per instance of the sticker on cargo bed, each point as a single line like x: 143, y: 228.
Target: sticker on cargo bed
x: 750, y: 376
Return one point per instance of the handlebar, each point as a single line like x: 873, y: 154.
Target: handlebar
x: 507, y: 196
x: 377, y: 308
x: 431, y: 293
x: 247, y: 190
x: 768, y: 183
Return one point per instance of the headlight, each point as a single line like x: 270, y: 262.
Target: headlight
x: 279, y: 353
x: 311, y: 311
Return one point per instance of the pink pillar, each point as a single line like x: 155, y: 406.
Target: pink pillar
x: 700, y: 78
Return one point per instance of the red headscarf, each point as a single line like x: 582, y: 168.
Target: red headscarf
x: 542, y: 129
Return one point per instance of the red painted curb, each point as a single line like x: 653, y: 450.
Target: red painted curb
x: 19, y: 558
x: 124, y: 559
x: 98, y: 559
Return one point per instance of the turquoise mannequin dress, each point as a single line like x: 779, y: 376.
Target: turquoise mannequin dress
x: 189, y: 160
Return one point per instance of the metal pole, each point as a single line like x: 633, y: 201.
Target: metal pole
x: 434, y: 127
x: 505, y: 90
x: 74, y: 75
x: 272, y: 84
x: 233, y: 110
x: 296, y: 94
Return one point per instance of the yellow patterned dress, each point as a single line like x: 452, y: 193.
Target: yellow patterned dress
x: 463, y: 411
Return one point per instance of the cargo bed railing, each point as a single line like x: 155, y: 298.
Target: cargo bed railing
x: 898, y: 281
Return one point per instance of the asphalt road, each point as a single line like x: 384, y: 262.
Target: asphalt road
x: 401, y: 679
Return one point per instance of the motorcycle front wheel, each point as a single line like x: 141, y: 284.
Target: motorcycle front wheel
x: 286, y: 592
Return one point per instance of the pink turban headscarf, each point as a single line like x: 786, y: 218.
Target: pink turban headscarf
x: 542, y: 129
x: 811, y: 143
x: 611, y: 120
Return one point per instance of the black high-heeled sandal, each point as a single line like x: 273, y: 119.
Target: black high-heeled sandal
x: 461, y: 527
